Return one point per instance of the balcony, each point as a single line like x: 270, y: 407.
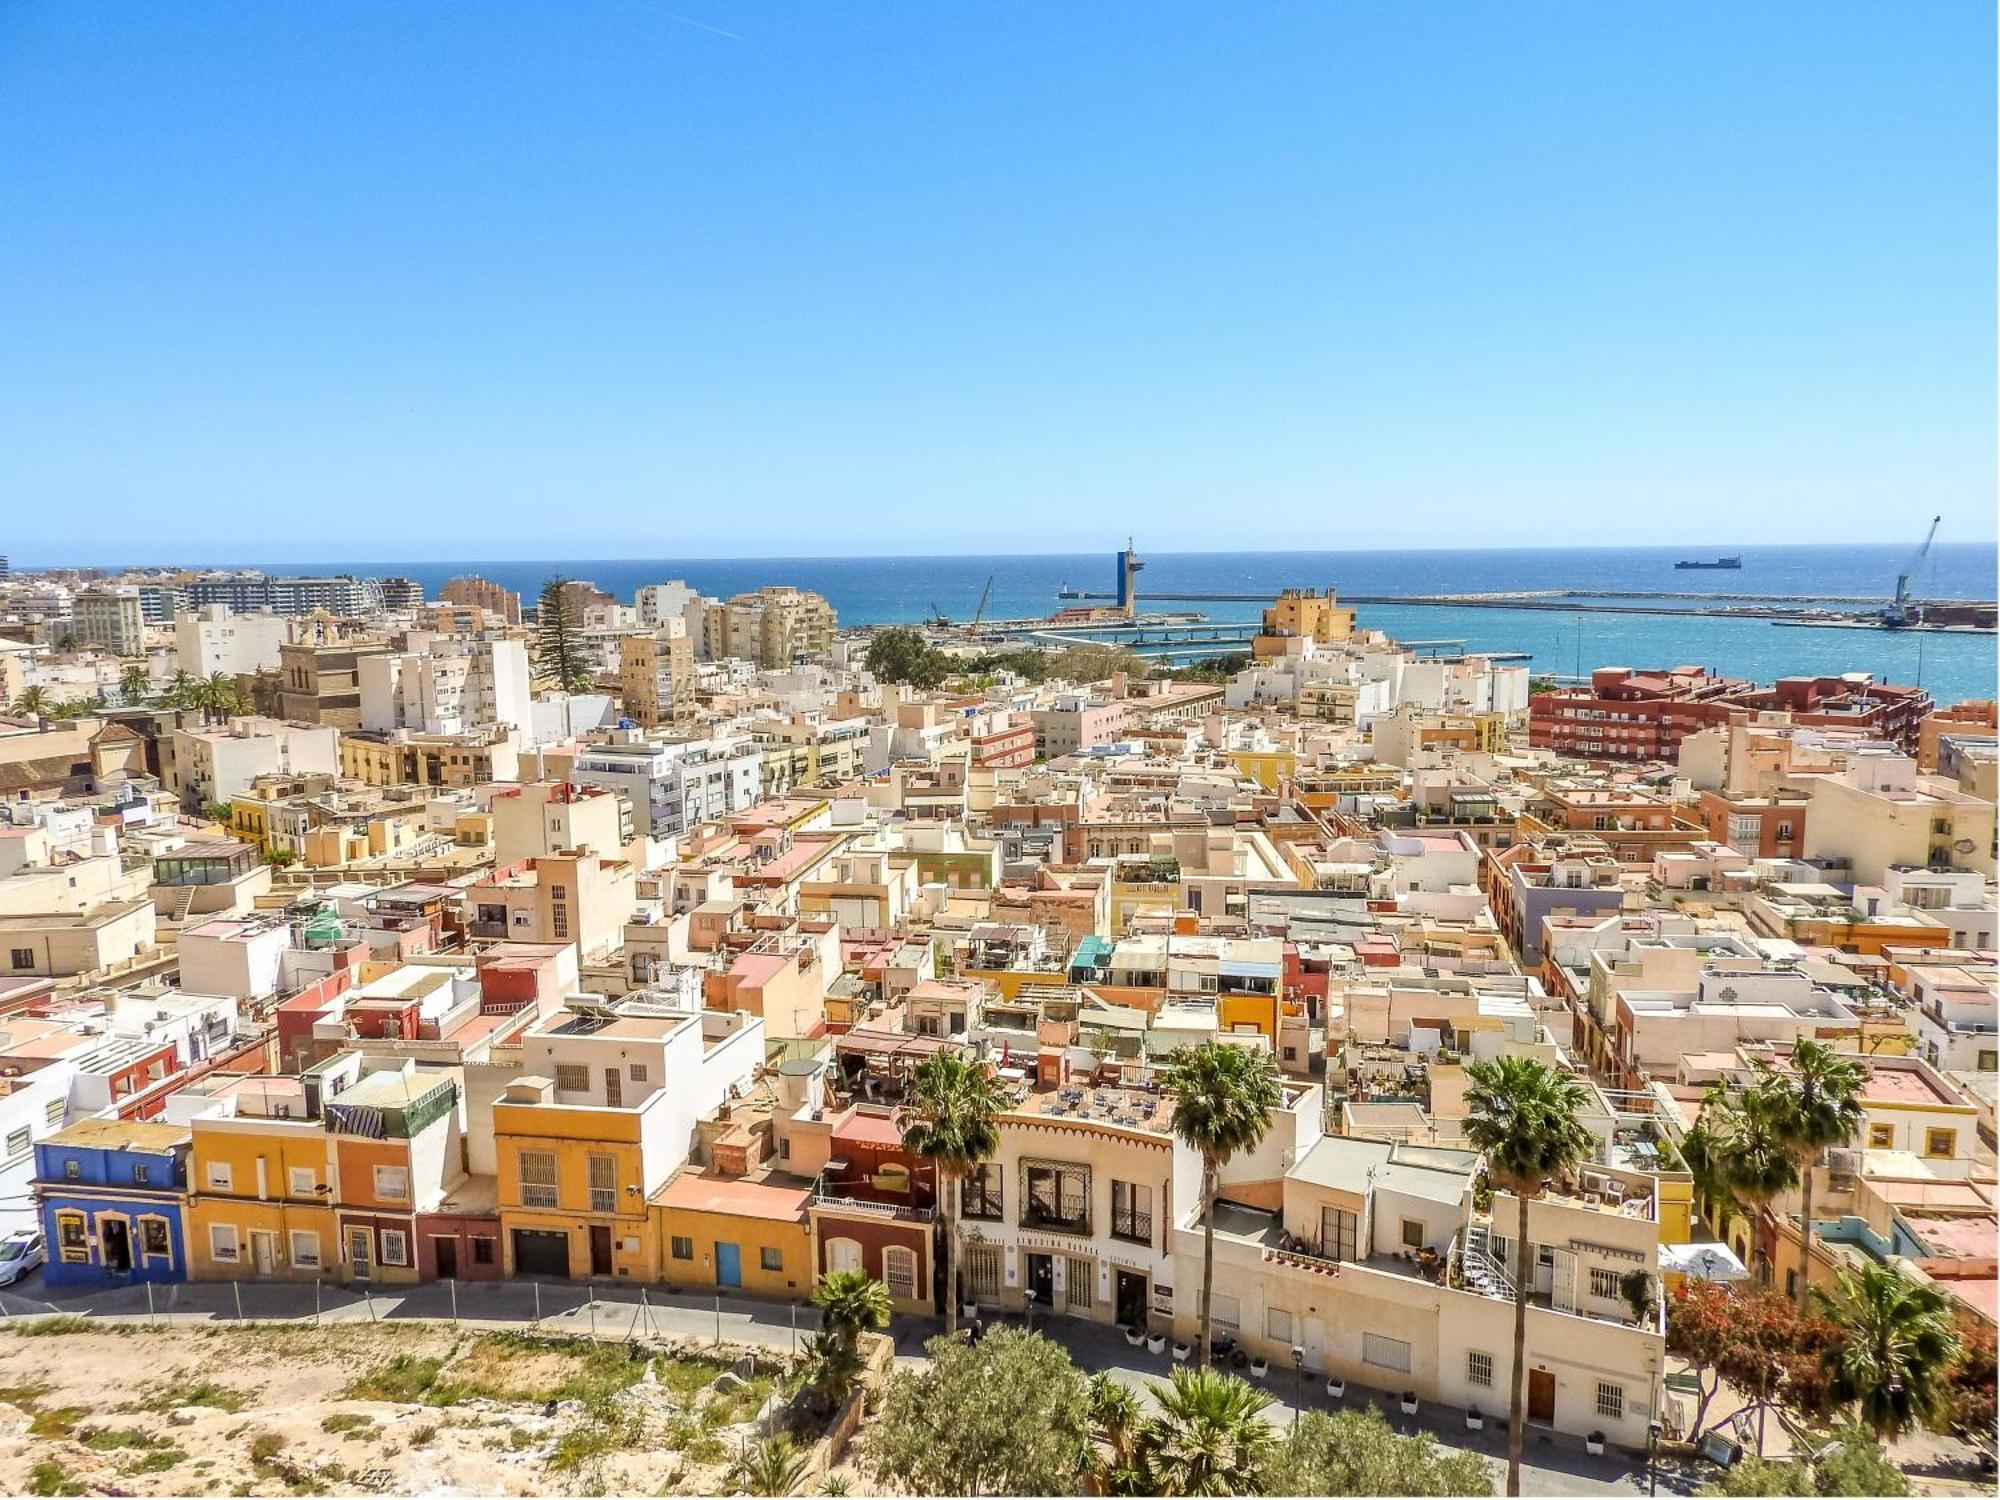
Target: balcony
x: 868, y: 1209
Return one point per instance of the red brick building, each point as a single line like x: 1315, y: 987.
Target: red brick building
x: 1640, y: 716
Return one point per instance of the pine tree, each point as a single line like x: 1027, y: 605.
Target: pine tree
x: 559, y: 654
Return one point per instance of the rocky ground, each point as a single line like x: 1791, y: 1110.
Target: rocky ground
x: 369, y: 1409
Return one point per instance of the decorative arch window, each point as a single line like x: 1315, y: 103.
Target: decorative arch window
x: 843, y: 1255
x: 72, y: 1235
x: 899, y: 1273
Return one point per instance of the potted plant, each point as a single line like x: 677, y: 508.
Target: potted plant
x: 1336, y: 1387
x: 1182, y: 1351
x: 1409, y: 1403
x: 1156, y: 1343
x: 1474, y: 1419
x: 1594, y: 1445
x: 1259, y: 1366
x: 1134, y: 1335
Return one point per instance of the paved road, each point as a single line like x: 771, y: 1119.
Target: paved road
x: 1553, y: 1465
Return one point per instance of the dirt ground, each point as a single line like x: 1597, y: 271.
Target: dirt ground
x: 377, y: 1409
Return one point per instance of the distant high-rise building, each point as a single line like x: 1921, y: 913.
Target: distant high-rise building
x: 401, y: 593
x: 483, y: 593
x: 111, y: 618
x: 774, y: 627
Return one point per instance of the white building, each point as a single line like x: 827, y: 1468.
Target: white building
x: 446, y: 685
x: 215, y: 639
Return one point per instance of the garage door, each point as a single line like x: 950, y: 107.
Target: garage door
x: 541, y: 1252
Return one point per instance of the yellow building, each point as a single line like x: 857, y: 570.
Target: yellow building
x: 656, y: 674
x: 1268, y: 768
x: 723, y: 1233
x: 260, y: 1192
x: 571, y: 1184
x: 1302, y: 613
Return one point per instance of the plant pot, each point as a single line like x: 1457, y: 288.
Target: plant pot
x: 1336, y: 1388
x: 1156, y: 1343
x: 1474, y: 1421
x: 1409, y: 1403
x: 1135, y: 1336
x: 968, y: 1310
x: 1594, y: 1445
x: 1260, y: 1367
x: 1182, y: 1351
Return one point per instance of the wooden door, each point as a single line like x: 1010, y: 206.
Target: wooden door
x: 1542, y: 1396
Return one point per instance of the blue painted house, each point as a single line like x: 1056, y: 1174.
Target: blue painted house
x: 113, y: 1199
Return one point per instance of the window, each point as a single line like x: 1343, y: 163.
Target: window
x: 1131, y: 1212
x: 1743, y: 833
x: 154, y: 1237
x: 770, y: 1258
x: 899, y: 1273
x: 683, y: 1247
x: 72, y: 1237
x: 1340, y: 1233
x: 17, y: 1143
x: 222, y: 1241
x: 395, y: 1248
x: 982, y: 1271
x: 979, y: 1194
x: 1413, y: 1234
x: 1603, y: 1282
x: 1278, y: 1325
x: 1610, y: 1400
x: 305, y: 1248
x: 142, y: 1174
x: 1479, y: 1368
x: 603, y: 1183
x: 303, y: 1182
x: 1055, y: 1195
x: 220, y: 1177
x: 1228, y: 1309
x: 72, y: 1170
x: 482, y: 1250
x: 572, y: 1078
x: 23, y: 958
x: 52, y: 1117
x: 1079, y: 1283
x: 1385, y: 1353
x: 392, y: 1183
x: 638, y: 1072
x: 1881, y: 1137
x: 1940, y: 1142
x: 538, y: 1179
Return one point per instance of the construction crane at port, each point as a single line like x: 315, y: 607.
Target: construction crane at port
x: 984, y: 594
x: 1902, y: 611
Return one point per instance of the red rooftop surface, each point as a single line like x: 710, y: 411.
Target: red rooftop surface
x: 771, y: 1197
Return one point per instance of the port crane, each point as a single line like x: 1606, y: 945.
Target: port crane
x: 984, y: 594
x: 1902, y: 611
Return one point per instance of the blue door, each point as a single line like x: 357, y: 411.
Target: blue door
x: 728, y: 1265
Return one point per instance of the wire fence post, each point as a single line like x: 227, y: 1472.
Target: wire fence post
x: 718, y: 1320
x: 315, y: 1301
x: 593, y: 1315
x: 236, y: 1287
x: 538, y: 1304
x: 793, y: 1309
x: 152, y: 1318
x: 368, y: 1301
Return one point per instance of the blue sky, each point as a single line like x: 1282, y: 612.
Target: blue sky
x: 725, y: 277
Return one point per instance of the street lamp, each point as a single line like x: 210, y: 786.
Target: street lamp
x: 1653, y: 1429
x: 1298, y: 1384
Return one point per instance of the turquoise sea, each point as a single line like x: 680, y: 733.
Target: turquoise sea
x: 885, y: 590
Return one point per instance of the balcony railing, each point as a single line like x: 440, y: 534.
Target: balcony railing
x: 1136, y: 1226
x: 903, y: 1211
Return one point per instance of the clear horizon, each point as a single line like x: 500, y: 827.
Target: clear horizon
x: 733, y: 278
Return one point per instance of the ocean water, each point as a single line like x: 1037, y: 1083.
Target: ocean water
x: 888, y: 590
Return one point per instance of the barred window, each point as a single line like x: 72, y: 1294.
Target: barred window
x: 1080, y: 1284
x: 1055, y: 1195
x: 1603, y: 1282
x: 979, y: 1193
x: 1610, y: 1400
x: 982, y: 1271
x: 1479, y: 1368
x: 1278, y: 1324
x: 538, y: 1179
x: 572, y: 1078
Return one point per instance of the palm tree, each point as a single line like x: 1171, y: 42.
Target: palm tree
x: 37, y: 703
x: 182, y: 690
x: 851, y: 1303
x: 134, y: 683
x: 1819, y: 1099
x: 1209, y: 1437
x: 949, y: 1123
x: 1114, y: 1422
x: 219, y: 696
x: 1223, y: 1098
x: 1748, y: 1152
x: 1896, y: 1351
x: 830, y: 1370
x: 1522, y: 1116
x: 772, y: 1467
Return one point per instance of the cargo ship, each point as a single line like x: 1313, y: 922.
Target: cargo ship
x: 1718, y: 562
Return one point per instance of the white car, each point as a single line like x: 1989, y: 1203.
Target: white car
x: 20, y: 1253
